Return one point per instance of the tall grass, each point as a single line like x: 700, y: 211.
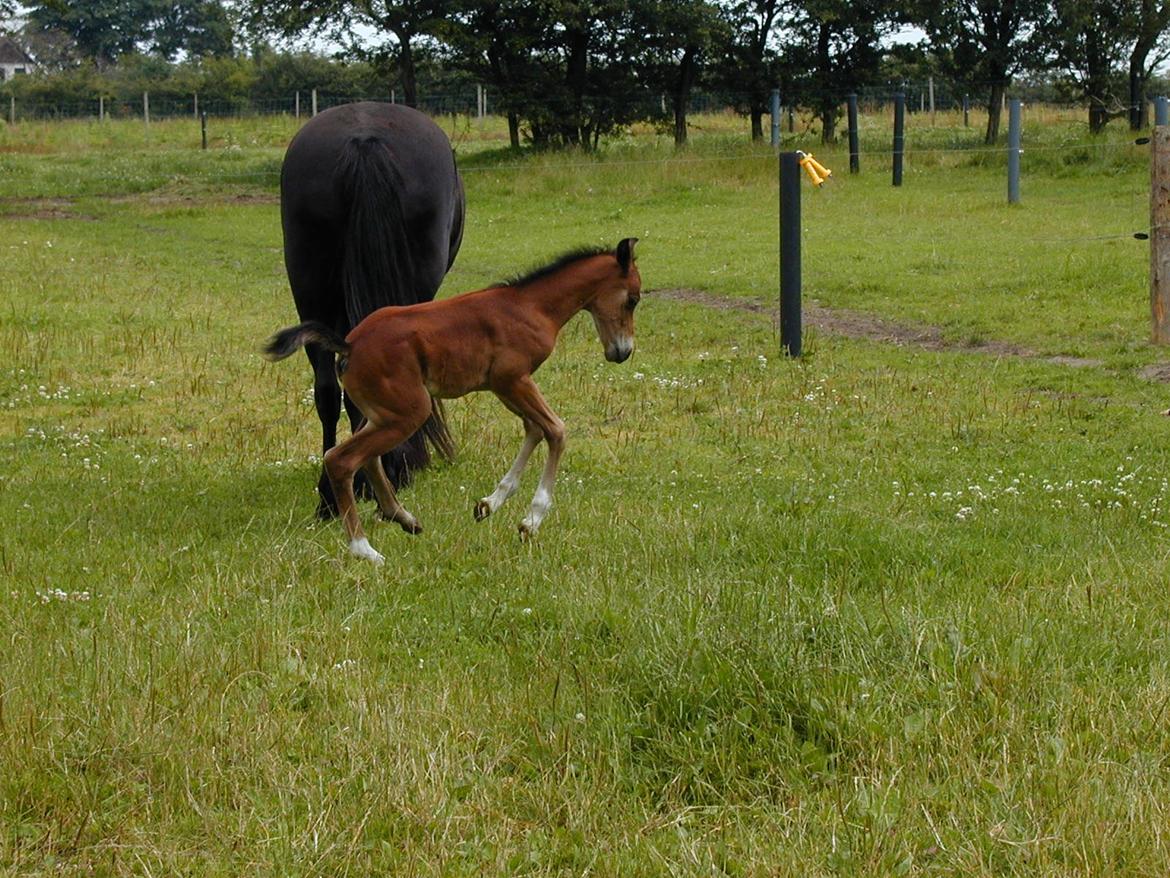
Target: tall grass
x: 882, y: 610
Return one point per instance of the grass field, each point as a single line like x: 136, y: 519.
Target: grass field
x: 882, y: 610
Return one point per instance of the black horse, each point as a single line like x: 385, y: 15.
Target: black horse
x: 372, y: 209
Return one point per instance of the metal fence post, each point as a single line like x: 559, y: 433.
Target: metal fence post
x: 790, y: 329
x: 854, y: 151
x: 899, y: 135
x: 1014, y: 151
x: 1162, y: 111
x: 775, y: 118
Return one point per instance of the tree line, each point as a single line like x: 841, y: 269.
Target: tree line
x: 569, y: 72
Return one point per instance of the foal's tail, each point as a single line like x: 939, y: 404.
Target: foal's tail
x: 434, y: 431
x: 289, y: 341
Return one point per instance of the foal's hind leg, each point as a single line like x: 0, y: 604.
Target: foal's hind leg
x: 343, y: 462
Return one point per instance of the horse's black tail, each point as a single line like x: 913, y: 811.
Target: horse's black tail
x: 378, y: 270
x: 288, y: 341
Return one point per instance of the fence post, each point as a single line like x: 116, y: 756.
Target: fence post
x: 966, y: 111
x: 1014, y: 151
x: 854, y: 151
x: 12, y: 109
x: 203, y: 127
x: 899, y: 135
x: 775, y: 118
x: 146, y: 108
x: 1160, y: 235
x: 1162, y: 111
x: 101, y: 108
x: 790, y: 329
x: 196, y: 105
x: 930, y: 84
x: 314, y: 102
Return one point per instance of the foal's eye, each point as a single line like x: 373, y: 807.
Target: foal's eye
x: 632, y: 303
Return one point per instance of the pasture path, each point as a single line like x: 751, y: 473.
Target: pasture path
x: 857, y: 324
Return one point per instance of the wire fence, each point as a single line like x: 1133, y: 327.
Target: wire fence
x: 473, y: 100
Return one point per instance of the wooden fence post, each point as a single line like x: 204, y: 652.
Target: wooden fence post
x: 314, y: 102
x: 146, y: 108
x: 1160, y: 235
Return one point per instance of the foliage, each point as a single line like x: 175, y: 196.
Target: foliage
x: 104, y: 30
x: 985, y: 44
x: 834, y: 47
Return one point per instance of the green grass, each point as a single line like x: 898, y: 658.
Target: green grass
x: 879, y: 611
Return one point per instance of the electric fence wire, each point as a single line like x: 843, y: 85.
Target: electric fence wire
x: 145, y: 184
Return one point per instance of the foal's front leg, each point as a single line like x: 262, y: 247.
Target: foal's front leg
x: 523, y: 397
x: 511, y: 480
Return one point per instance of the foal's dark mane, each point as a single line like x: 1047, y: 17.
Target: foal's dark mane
x: 555, y: 266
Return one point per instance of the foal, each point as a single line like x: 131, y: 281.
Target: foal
x: 399, y: 360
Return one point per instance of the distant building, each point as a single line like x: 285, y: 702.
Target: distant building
x: 14, y: 60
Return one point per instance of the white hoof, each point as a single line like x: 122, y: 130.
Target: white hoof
x: 362, y: 549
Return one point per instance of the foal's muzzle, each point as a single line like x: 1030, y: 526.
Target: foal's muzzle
x: 619, y: 352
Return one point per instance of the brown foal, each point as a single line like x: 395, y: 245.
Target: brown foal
x: 399, y: 360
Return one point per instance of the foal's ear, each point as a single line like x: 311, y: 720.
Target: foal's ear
x: 625, y: 254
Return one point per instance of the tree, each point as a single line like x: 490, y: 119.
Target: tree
x: 683, y: 34
x: 985, y: 43
x: 103, y: 30
x: 199, y: 28
x: 405, y: 24
x: 495, y: 41
x: 836, y: 45
x: 1149, y: 20
x: 568, y: 69
x: 1087, y: 40
x: 749, y: 66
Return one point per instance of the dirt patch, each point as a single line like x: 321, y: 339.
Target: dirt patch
x: 40, y: 209
x: 170, y: 199
x: 857, y: 324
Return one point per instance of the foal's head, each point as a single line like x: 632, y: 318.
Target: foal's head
x: 613, y: 307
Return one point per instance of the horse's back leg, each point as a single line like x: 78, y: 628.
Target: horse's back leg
x: 327, y: 399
